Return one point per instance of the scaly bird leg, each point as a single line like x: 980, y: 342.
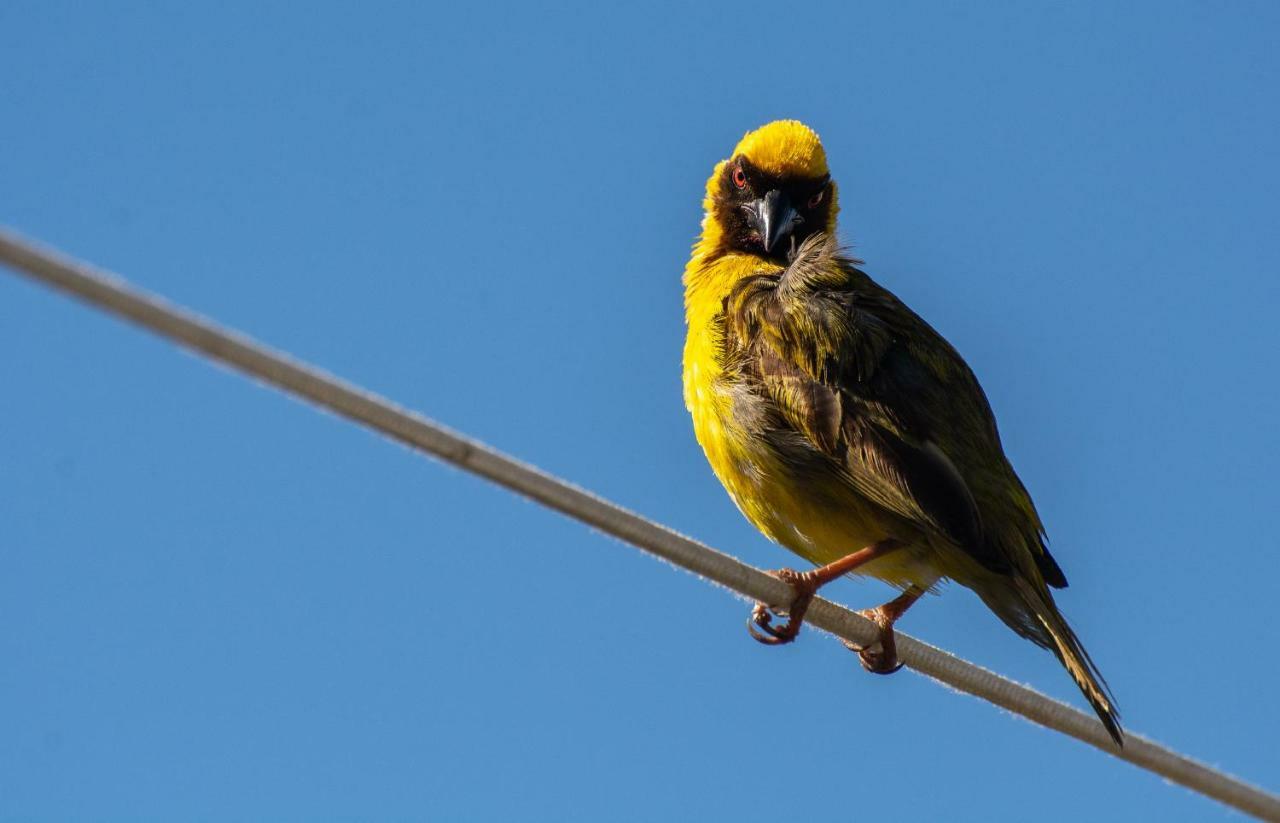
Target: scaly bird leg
x: 885, y: 661
x: 806, y: 585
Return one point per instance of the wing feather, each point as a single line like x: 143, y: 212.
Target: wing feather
x: 871, y: 385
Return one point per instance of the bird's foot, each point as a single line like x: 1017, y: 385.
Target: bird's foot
x: 761, y: 625
x: 881, y: 657
x: 806, y: 585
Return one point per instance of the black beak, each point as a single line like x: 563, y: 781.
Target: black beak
x: 773, y: 217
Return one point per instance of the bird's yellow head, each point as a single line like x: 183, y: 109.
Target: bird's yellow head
x: 772, y: 193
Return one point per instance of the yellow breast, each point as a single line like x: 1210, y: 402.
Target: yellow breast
x: 818, y: 516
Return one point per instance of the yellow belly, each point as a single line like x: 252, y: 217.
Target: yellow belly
x: 817, y: 514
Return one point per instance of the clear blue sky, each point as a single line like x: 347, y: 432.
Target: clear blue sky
x: 216, y: 603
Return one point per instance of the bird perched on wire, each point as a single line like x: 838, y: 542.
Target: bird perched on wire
x: 845, y: 427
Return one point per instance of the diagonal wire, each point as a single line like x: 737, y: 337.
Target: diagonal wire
x: 112, y: 294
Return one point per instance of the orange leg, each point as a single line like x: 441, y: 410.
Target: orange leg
x: 885, y: 661
x: 806, y: 585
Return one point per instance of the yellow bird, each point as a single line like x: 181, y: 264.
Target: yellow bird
x: 842, y: 425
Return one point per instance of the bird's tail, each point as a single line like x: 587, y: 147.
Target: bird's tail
x: 1029, y: 610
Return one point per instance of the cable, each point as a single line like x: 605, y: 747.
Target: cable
x: 114, y: 295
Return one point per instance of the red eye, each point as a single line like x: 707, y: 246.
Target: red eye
x: 817, y: 198
x: 739, y: 178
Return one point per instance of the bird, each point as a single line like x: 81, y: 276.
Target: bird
x: 843, y: 426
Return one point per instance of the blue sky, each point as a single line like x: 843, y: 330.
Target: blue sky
x: 216, y: 603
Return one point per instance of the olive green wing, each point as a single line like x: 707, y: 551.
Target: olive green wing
x: 872, y: 386
x: 937, y: 397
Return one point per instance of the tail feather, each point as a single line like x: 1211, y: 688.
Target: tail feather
x: 1030, y: 611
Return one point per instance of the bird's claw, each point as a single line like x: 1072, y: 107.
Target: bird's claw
x: 873, y: 660
x: 767, y: 633
x: 761, y: 625
x: 882, y: 660
x: 879, y: 662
